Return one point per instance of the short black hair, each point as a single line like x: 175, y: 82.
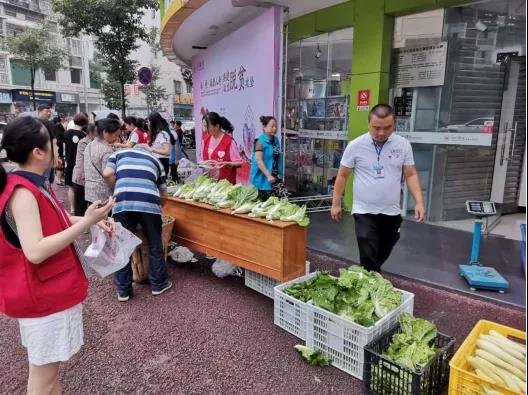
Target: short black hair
x: 80, y: 119
x: 113, y: 116
x: 381, y: 111
x: 178, y: 123
x: 43, y: 107
x: 109, y: 125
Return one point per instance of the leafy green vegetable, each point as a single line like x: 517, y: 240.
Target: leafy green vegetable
x: 245, y: 194
x: 313, y: 357
x: 414, y: 346
x: 357, y: 294
x: 244, y: 208
x: 295, y: 213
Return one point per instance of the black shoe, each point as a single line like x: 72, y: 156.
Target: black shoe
x: 124, y: 297
x: 163, y: 289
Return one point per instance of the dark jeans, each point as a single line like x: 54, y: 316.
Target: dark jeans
x: 79, y: 202
x: 151, y: 226
x: 376, y: 234
x: 165, y: 163
x: 174, y: 172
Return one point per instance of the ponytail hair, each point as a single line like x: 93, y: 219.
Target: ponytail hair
x: 158, y: 123
x: 214, y: 119
x: 265, y: 119
x: 3, y: 178
x: 21, y: 136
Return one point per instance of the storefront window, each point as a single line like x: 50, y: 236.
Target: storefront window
x: 468, y: 128
x: 315, y: 124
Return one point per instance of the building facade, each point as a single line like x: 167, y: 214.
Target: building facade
x: 453, y: 69
x: 68, y: 90
x: 178, y: 102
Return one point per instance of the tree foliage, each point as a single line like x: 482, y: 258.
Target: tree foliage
x: 187, y: 75
x: 35, y: 50
x: 117, y: 28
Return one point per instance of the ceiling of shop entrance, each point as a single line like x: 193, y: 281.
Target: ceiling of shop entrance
x: 326, y: 56
x: 218, y: 18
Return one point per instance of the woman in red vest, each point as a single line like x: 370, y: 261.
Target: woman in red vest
x: 42, y: 283
x: 221, y: 147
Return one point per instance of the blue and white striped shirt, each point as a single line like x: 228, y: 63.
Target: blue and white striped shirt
x: 139, y: 179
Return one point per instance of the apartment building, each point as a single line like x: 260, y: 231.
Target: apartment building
x: 69, y: 90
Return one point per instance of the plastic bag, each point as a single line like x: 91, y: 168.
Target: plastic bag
x: 181, y: 254
x: 187, y: 170
x: 223, y: 269
x: 108, y: 254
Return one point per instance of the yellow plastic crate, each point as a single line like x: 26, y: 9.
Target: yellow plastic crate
x: 462, y: 381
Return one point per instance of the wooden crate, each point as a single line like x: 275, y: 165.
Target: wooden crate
x: 275, y: 249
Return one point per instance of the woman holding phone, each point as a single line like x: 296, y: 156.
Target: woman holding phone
x: 42, y: 281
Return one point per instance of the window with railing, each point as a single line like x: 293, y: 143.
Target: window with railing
x: 177, y: 87
x: 4, y: 69
x: 76, y: 75
x: 12, y: 30
x: 75, y: 47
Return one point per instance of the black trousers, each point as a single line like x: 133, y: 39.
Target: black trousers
x: 376, y: 234
x: 165, y: 163
x: 79, y: 202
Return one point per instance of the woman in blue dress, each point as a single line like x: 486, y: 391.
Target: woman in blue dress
x: 266, y: 160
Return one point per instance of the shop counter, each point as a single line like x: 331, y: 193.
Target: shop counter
x: 274, y: 249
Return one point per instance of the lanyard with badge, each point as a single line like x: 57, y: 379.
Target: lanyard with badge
x: 379, y: 171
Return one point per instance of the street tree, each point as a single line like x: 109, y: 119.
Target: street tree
x: 187, y: 75
x: 116, y: 27
x: 35, y: 50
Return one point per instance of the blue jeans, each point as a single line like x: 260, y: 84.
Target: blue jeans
x: 151, y: 226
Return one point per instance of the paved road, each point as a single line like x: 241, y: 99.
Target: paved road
x: 211, y: 336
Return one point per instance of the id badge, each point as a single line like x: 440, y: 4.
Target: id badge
x: 379, y: 171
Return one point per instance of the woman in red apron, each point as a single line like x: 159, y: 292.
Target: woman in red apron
x: 42, y: 281
x: 219, y: 146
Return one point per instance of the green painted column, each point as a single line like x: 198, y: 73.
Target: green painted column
x: 373, y: 31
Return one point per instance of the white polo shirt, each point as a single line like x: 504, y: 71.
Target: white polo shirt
x: 377, y: 192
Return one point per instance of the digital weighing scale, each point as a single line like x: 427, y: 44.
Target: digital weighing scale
x: 478, y: 276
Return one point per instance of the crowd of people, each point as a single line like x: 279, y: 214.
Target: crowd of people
x: 120, y: 168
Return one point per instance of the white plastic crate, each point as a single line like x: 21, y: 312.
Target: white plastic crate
x: 260, y: 283
x: 289, y: 313
x: 343, y: 340
x: 264, y: 284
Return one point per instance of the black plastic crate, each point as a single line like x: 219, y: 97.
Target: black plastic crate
x: 382, y: 376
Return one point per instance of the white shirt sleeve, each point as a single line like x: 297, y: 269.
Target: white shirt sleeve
x: 134, y: 137
x: 349, y: 156
x: 408, y: 158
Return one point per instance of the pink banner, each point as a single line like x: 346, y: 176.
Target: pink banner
x: 239, y: 78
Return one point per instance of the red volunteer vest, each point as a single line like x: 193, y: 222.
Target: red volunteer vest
x: 221, y: 154
x: 143, y: 137
x: 30, y: 290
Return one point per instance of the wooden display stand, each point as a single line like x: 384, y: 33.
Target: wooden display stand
x: 274, y: 249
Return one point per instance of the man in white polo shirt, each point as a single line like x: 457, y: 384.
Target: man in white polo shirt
x: 378, y: 159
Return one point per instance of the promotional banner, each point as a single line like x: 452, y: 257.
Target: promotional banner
x: 239, y: 78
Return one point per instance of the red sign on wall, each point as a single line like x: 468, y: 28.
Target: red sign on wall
x: 363, y: 100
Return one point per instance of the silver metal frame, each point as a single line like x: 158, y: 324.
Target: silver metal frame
x: 314, y: 204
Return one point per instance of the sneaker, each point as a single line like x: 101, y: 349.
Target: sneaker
x: 123, y: 297
x: 165, y: 288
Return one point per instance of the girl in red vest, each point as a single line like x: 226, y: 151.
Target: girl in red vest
x: 42, y: 283
x: 221, y: 147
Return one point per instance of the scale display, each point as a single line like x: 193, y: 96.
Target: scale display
x: 480, y: 208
